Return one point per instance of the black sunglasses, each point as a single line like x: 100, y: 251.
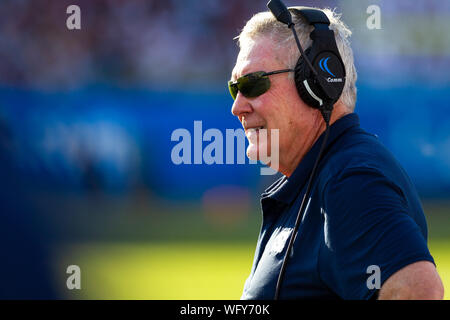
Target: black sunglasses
x: 253, y: 84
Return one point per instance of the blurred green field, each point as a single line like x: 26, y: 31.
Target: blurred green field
x: 179, y: 270
x: 441, y: 253
x: 137, y: 250
x: 163, y: 271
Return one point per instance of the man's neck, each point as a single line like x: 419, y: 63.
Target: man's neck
x: 288, y: 165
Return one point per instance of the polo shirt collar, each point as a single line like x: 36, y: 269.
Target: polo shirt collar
x: 286, y: 189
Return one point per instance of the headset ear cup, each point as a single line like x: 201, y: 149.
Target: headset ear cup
x: 303, y: 73
x: 306, y: 97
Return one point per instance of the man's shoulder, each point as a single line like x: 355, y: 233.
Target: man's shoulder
x: 360, y: 151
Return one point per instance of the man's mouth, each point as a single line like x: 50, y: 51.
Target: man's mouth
x: 255, y: 129
x: 253, y: 133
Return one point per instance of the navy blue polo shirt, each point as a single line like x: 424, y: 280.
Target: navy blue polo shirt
x: 363, y: 211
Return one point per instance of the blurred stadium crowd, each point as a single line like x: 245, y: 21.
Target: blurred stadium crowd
x: 150, y: 43
x: 185, y: 43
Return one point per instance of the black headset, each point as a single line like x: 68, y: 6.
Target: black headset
x: 319, y: 72
x: 320, y: 80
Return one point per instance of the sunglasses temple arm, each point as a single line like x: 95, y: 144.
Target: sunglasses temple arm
x: 278, y: 71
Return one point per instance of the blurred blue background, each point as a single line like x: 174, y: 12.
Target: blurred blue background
x: 86, y: 118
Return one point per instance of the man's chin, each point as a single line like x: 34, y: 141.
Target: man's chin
x: 253, y: 153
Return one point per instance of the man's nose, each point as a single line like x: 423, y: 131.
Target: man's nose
x: 241, y: 105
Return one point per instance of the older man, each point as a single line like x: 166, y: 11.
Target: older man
x: 363, y: 224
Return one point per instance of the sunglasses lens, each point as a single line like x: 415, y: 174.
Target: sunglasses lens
x: 254, y: 86
x: 251, y: 85
x: 233, y: 89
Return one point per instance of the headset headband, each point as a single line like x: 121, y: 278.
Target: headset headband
x: 312, y: 16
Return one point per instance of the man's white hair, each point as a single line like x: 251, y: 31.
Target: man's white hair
x: 264, y: 24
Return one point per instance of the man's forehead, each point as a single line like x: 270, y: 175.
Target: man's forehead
x: 255, y: 56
